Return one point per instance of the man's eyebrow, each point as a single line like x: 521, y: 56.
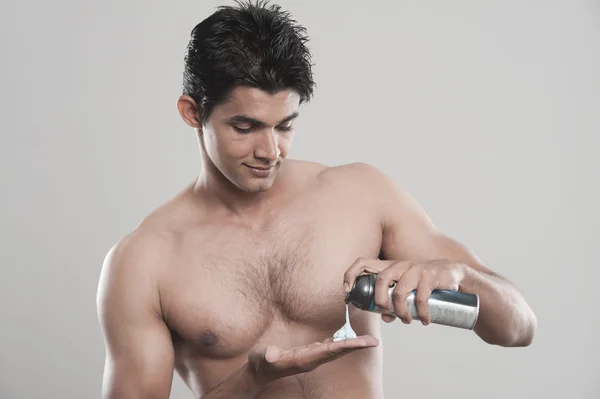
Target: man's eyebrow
x: 256, y: 122
x: 289, y: 118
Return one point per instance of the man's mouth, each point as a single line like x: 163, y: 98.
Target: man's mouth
x: 260, y: 167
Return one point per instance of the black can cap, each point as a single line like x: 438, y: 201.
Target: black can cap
x: 362, y: 293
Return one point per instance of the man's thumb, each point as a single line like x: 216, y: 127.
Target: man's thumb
x: 272, y: 354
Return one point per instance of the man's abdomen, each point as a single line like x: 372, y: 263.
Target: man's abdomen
x: 340, y: 379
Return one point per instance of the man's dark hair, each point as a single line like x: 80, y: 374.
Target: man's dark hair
x: 255, y: 45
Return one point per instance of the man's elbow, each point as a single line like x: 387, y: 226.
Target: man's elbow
x: 518, y: 336
x: 527, y: 334
x: 519, y: 340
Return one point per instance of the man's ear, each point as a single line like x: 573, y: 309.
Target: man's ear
x: 188, y: 109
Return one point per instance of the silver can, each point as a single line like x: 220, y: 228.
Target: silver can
x: 450, y: 308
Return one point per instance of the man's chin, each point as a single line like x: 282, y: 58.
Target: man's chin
x: 253, y: 186
x: 259, y: 187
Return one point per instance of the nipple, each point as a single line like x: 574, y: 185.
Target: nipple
x: 346, y: 331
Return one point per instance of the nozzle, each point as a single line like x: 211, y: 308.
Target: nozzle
x: 361, y: 294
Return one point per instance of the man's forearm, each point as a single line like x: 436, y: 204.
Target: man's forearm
x: 239, y: 385
x: 505, y: 318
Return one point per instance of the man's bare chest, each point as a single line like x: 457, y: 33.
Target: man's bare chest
x: 233, y: 286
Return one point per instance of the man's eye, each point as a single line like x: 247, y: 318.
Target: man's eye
x: 242, y: 130
x: 285, y: 128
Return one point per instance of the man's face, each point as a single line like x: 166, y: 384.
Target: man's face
x: 248, y: 137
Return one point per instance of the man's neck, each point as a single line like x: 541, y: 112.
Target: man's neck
x: 217, y: 190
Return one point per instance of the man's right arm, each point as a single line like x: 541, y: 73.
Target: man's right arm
x: 139, y: 351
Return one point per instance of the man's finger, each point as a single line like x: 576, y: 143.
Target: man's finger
x: 383, y: 282
x: 360, y: 266
x: 361, y: 341
x: 329, y: 350
x: 342, y: 352
x: 424, y: 289
x: 272, y: 354
x: 406, y: 283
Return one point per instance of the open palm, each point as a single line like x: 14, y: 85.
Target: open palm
x: 269, y: 362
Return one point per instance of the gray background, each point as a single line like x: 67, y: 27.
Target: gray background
x: 487, y: 112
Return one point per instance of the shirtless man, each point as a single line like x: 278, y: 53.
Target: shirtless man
x: 238, y: 281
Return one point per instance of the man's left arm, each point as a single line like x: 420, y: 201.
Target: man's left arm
x: 418, y: 256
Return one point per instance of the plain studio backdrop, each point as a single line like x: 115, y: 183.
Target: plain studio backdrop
x: 487, y: 112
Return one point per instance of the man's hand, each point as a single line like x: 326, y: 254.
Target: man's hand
x: 424, y: 276
x: 269, y: 363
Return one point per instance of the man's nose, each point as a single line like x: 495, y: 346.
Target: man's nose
x: 268, y: 146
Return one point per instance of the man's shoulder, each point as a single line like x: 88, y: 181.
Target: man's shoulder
x: 353, y: 175
x: 366, y: 184
x: 141, y: 252
x: 340, y: 171
x: 155, y: 240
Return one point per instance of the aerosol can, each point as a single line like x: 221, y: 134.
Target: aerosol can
x: 449, y: 308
